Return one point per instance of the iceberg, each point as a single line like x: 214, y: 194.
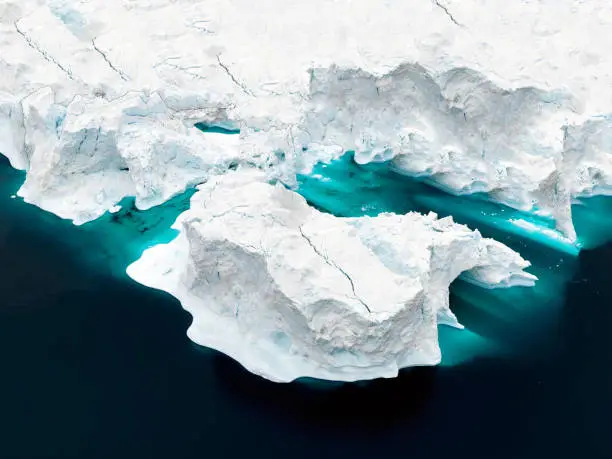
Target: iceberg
x: 291, y: 292
x: 93, y: 153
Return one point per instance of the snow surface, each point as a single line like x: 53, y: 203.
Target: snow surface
x: 291, y: 292
x: 513, y: 99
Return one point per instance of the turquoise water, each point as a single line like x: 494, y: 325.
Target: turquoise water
x: 375, y: 188
x: 114, y: 240
x: 124, y: 235
x: 498, y: 320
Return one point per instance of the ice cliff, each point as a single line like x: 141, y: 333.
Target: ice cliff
x: 100, y: 100
x: 291, y: 292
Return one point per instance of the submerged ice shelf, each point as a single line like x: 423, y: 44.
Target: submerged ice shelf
x: 511, y: 105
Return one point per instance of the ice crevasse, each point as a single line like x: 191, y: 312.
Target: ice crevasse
x: 100, y: 100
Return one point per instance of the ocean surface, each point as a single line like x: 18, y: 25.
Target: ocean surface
x: 97, y: 366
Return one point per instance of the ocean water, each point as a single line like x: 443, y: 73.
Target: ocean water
x: 97, y: 366
x: 496, y: 320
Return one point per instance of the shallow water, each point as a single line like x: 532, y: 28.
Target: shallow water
x: 96, y: 366
x: 498, y: 321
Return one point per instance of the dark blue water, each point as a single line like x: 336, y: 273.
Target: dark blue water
x: 96, y: 366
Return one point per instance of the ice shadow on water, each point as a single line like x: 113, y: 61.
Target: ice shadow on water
x: 556, y: 402
x: 374, y: 403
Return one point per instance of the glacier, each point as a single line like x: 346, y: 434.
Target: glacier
x: 473, y: 96
x: 291, y: 292
x: 111, y: 99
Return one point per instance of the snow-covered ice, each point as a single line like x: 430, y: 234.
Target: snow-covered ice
x: 99, y: 100
x: 510, y: 99
x: 291, y: 292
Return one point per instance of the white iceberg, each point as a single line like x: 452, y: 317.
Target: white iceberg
x: 291, y: 292
x: 93, y: 153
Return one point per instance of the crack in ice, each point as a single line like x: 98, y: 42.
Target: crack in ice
x: 334, y: 265
x: 448, y: 13
x: 230, y: 210
x: 42, y: 52
x: 241, y: 85
x: 187, y: 70
x: 117, y: 70
x: 202, y: 28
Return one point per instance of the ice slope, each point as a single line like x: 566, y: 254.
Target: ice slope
x: 291, y: 292
x: 510, y: 99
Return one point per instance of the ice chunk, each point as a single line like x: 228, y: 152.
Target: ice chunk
x: 291, y: 292
x: 88, y: 157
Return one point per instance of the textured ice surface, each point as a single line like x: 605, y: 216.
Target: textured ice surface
x: 497, y: 320
x: 93, y: 153
x: 98, y: 98
x: 292, y: 292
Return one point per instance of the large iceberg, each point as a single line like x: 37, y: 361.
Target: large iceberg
x: 291, y: 292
